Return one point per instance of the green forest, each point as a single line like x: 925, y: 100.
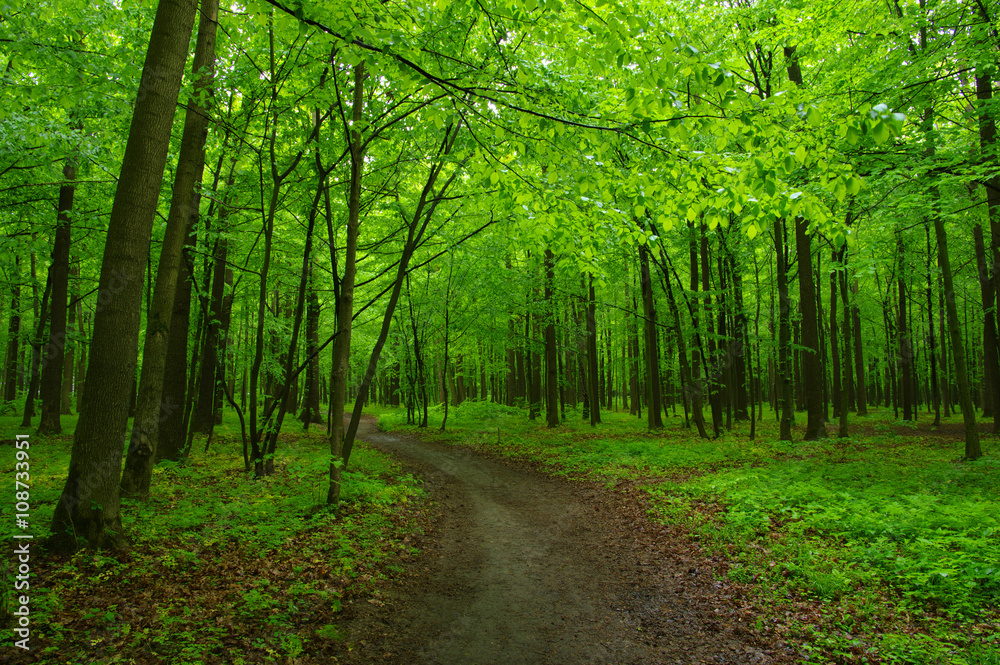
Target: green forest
x: 732, y: 267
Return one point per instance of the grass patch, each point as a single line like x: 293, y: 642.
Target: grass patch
x: 881, y: 548
x: 220, y: 568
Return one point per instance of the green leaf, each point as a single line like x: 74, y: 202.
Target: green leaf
x: 881, y: 132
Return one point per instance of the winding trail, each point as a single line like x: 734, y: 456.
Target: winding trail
x: 527, y: 569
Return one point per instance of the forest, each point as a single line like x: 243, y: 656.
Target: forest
x: 735, y: 263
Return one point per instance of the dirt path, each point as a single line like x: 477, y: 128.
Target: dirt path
x: 527, y: 569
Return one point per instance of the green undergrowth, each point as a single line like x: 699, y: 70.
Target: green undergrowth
x: 219, y: 567
x: 884, y: 547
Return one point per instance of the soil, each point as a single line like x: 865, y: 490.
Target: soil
x: 523, y: 568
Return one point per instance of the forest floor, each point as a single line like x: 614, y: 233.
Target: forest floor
x: 522, y: 567
x: 499, y: 540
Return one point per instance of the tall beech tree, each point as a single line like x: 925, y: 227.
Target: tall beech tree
x: 141, y: 453
x: 88, y: 510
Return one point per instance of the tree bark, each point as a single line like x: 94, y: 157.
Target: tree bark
x: 784, y: 378
x: 69, y: 359
x: 551, y: 352
x: 88, y: 511
x: 834, y: 328
x: 812, y: 368
x: 141, y: 455
x: 654, y: 410
x: 345, y: 294
x: 54, y: 350
x: 972, y: 447
x: 41, y: 319
x: 592, y: 372
x: 13, y: 336
x: 311, y: 411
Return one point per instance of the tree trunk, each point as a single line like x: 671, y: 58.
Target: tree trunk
x: 141, y: 455
x: 847, y: 328
x: 812, y: 366
x: 987, y: 144
x: 592, y: 373
x: 551, y: 352
x: 311, y: 411
x: 834, y: 328
x: 654, y: 416
x: 712, y: 367
x: 88, y: 512
x: 972, y: 448
x: 69, y: 360
x: 991, y: 408
x: 53, y: 354
x: 784, y: 378
x: 13, y: 336
x: 41, y: 319
x: 345, y: 296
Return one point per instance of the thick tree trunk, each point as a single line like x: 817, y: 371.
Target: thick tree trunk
x: 88, y: 511
x: 53, y: 352
x: 141, y: 455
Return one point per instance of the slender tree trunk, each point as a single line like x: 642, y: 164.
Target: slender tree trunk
x: 834, y: 328
x: 551, y: 352
x: 69, y: 360
x: 711, y: 371
x: 987, y: 143
x: 811, y: 364
x: 784, y: 379
x: 654, y: 418
x: 81, y: 363
x: 88, y: 510
x: 690, y: 386
x: 991, y: 408
x: 447, y: 331
x: 311, y: 412
x: 13, y: 336
x: 345, y: 301
x: 36, y: 348
x: 847, y: 327
x: 972, y: 448
x: 592, y: 373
